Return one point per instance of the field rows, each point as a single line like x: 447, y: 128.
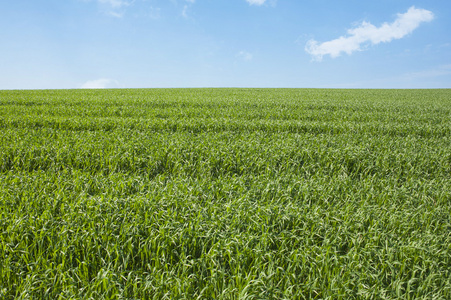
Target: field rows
x: 225, y: 194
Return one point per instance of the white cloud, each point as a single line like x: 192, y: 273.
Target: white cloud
x: 101, y: 83
x: 115, y: 8
x: 186, y: 8
x: 442, y: 70
x: 115, y: 14
x: 368, y: 33
x: 115, y: 3
x: 154, y: 13
x: 185, y: 11
x: 245, y: 55
x: 256, y: 2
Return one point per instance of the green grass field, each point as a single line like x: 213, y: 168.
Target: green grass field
x: 225, y: 194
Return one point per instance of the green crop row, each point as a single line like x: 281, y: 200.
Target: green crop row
x: 225, y: 194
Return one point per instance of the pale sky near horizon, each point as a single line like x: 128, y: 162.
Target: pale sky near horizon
x: 56, y: 44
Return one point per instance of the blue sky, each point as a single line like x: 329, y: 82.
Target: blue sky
x: 53, y: 44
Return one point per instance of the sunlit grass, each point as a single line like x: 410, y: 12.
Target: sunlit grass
x: 225, y: 194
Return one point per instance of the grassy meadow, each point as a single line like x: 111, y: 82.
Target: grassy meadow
x: 225, y: 194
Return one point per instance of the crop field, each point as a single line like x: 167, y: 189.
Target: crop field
x: 225, y: 194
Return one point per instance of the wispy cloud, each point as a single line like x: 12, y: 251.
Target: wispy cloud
x: 186, y: 7
x: 368, y: 33
x: 245, y: 55
x: 115, y: 3
x: 442, y: 70
x: 185, y: 11
x: 101, y: 83
x: 115, y: 8
x: 115, y: 14
x: 154, y: 13
x: 256, y: 2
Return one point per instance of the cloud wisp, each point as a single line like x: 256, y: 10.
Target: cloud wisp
x: 256, y: 2
x: 186, y: 8
x: 244, y: 55
x: 442, y: 70
x: 101, y: 83
x: 115, y: 3
x: 115, y: 8
x: 366, y: 33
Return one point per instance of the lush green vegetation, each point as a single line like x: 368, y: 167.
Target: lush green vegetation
x: 225, y: 194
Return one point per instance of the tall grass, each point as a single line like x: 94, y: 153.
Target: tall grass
x: 225, y: 194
